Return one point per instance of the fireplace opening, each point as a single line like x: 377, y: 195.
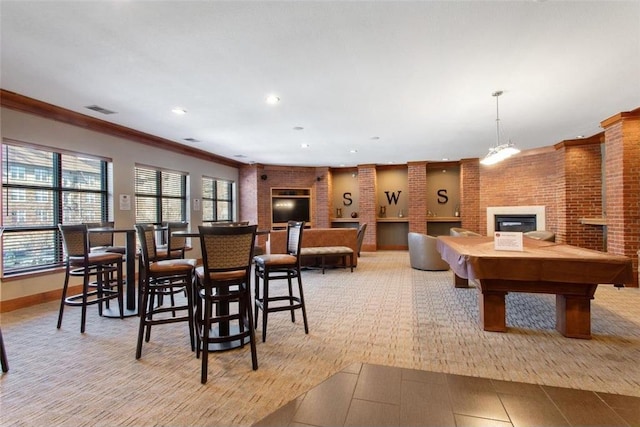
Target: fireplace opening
x: 515, y: 222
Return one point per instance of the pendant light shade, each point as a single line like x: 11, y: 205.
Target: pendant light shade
x: 499, y: 151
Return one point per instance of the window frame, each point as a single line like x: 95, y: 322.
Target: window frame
x: 215, y: 214
x: 159, y: 196
x: 49, y: 256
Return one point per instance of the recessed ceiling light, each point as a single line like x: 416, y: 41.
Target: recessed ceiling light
x: 375, y: 138
x: 191, y: 140
x: 298, y: 128
x: 353, y: 151
x: 304, y: 145
x: 580, y: 136
x: 445, y: 159
x: 272, y: 99
x: 179, y: 111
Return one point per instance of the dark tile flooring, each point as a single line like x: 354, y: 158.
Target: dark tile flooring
x: 374, y: 395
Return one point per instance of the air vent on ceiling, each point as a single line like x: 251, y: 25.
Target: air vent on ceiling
x: 99, y: 109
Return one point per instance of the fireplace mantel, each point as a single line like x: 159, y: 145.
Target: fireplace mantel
x: 538, y: 211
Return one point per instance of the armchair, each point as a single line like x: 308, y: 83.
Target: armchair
x: 423, y: 254
x: 548, y: 236
x: 457, y: 231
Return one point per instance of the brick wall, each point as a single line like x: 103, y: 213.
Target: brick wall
x: 259, y: 180
x: 526, y: 180
x: 581, y: 195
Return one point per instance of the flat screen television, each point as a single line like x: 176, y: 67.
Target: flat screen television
x: 290, y: 209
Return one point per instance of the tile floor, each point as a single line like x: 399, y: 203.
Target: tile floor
x: 374, y: 395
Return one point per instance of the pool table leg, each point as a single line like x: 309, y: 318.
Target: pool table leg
x: 573, y: 316
x: 460, y: 282
x: 492, y: 308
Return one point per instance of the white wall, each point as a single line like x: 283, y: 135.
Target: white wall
x: 125, y: 155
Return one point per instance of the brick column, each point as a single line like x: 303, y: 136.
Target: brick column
x: 470, y: 215
x: 417, y: 176
x: 622, y: 178
x: 323, y: 198
x: 367, y: 184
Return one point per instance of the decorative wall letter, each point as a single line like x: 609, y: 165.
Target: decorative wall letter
x: 393, y: 197
x: 442, y: 196
x: 347, y: 201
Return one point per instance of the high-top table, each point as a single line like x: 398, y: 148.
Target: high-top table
x: 569, y: 272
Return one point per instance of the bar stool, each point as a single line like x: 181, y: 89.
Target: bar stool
x: 79, y: 261
x: 102, y: 241
x: 176, y: 245
x: 4, y: 361
x: 270, y: 267
x: 224, y: 279
x: 157, y: 278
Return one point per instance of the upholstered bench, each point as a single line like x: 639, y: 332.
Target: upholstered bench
x: 322, y: 252
x: 320, y: 240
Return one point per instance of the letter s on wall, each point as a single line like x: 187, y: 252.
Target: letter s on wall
x: 442, y: 196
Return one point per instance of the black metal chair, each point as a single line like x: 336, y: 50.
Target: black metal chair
x: 271, y: 267
x: 157, y: 278
x: 224, y: 279
x: 80, y: 261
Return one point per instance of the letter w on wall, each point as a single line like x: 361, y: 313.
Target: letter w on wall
x: 393, y: 197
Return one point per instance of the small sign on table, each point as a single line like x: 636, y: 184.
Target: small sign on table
x: 507, y: 241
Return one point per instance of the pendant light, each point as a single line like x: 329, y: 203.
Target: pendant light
x: 499, y: 151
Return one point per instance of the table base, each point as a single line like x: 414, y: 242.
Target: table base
x: 573, y: 304
x: 224, y: 346
x: 114, y: 312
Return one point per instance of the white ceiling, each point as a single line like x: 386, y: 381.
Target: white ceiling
x: 417, y: 74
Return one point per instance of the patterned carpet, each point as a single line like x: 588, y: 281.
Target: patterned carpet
x: 383, y: 313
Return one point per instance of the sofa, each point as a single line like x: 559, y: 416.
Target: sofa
x: 320, y: 238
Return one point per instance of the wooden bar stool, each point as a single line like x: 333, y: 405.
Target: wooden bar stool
x: 158, y: 277
x: 270, y: 267
x: 80, y: 261
x: 224, y: 283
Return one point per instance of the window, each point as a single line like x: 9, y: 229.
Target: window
x: 161, y: 196
x: 40, y: 189
x: 18, y: 173
x: 217, y: 199
x: 42, y: 175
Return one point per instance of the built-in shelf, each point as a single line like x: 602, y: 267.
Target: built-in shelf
x: 345, y: 219
x: 397, y: 219
x: 593, y: 221
x: 443, y: 219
